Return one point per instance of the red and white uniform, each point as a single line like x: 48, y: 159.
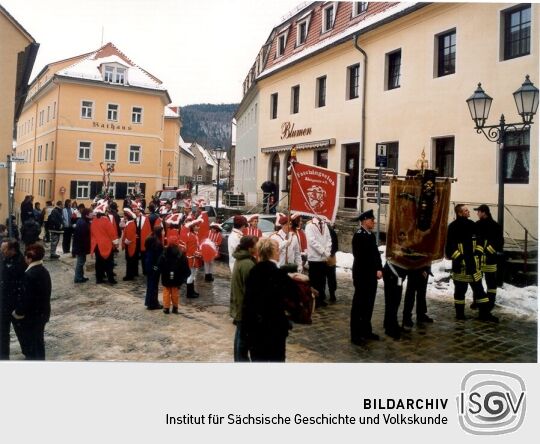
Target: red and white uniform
x: 130, y: 235
x: 143, y: 224
x: 102, y: 235
x: 302, y: 239
x: 193, y: 250
x: 252, y: 231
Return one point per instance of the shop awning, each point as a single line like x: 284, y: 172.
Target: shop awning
x: 315, y: 145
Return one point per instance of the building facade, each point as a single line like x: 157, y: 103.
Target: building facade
x: 17, y: 55
x: 339, y: 78
x: 90, y: 112
x: 186, y: 159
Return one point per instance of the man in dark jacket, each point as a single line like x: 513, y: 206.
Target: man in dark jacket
x: 491, y: 240
x: 34, y: 309
x: 331, y: 264
x: 12, y: 268
x: 56, y: 227
x: 463, y: 249
x: 81, y: 244
x: 30, y: 231
x: 154, y: 249
x: 367, y: 269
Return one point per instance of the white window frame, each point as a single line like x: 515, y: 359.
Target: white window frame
x: 117, y: 111
x: 134, y: 114
x: 82, y: 186
x: 89, y: 148
x: 283, y: 35
x: 120, y: 76
x: 115, y: 74
x: 131, y: 187
x: 52, y: 150
x: 298, y: 27
x: 85, y: 114
x: 359, y: 8
x: 46, y: 150
x: 39, y: 152
x: 324, y: 12
x: 108, y: 149
x: 108, y: 73
x: 132, y: 151
x: 112, y: 189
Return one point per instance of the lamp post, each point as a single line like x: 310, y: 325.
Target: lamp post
x: 479, y: 103
x: 169, y: 166
x: 219, y: 155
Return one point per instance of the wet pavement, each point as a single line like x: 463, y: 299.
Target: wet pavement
x: 110, y: 323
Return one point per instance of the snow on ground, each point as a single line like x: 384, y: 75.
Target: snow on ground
x: 520, y: 302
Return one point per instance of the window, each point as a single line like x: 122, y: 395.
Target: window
x: 321, y: 158
x: 52, y: 150
x: 114, y: 74
x: 112, y: 112
x: 359, y: 8
x: 134, y: 154
x: 132, y: 188
x: 39, y: 151
x: 328, y: 19
x: 46, y: 151
x: 301, y: 32
x: 136, y: 115
x: 50, y: 189
x: 517, y: 157
x: 84, y: 150
x: 393, y: 60
x: 321, y: 92
x: 353, y: 76
x: 295, y: 99
x: 48, y: 113
x: 87, y: 109
x: 517, y: 31
x: 273, y: 105
x: 446, y: 53
x: 112, y: 189
x: 120, y: 76
x: 54, y: 111
x: 108, y: 74
x: 110, y: 152
x: 282, y: 42
x: 444, y: 156
x: 83, y: 190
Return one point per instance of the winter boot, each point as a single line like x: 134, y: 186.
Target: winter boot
x: 208, y: 277
x: 166, y: 311
x: 460, y: 312
x: 191, y: 291
x: 485, y: 313
x: 175, y: 310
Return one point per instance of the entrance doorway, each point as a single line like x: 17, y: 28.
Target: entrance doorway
x: 274, y: 174
x: 352, y: 161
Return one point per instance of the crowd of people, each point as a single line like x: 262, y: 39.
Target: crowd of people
x: 169, y: 242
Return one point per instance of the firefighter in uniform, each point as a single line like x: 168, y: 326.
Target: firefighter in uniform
x: 490, y: 238
x: 367, y: 269
x: 465, y: 252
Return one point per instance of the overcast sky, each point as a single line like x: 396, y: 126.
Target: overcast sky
x: 200, y: 49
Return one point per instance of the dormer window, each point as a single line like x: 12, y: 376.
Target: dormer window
x: 281, y: 44
x: 359, y: 8
x: 114, y: 74
x: 302, y: 28
x: 328, y: 18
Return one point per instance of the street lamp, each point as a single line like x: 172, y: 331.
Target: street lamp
x: 169, y: 165
x: 219, y: 155
x: 479, y: 103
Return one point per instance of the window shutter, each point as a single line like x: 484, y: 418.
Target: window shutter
x: 143, y: 189
x: 95, y: 188
x: 73, y: 190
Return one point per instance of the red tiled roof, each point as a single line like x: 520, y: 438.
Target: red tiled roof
x: 343, y: 20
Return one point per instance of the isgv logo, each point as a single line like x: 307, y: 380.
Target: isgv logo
x: 491, y: 402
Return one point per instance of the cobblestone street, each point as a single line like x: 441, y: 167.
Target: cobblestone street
x: 110, y: 323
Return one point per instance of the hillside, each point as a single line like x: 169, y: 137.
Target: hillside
x: 208, y: 124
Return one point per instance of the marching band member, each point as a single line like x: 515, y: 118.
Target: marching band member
x: 143, y: 231
x: 129, y: 244
x: 289, y: 248
x: 210, y: 250
x: 252, y: 229
x: 193, y: 255
x: 103, y: 238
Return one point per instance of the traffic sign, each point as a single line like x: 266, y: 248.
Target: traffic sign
x: 384, y: 183
x: 383, y: 195
x: 383, y: 201
x: 3, y: 165
x: 376, y: 171
x: 370, y: 188
x: 17, y: 159
x: 371, y: 176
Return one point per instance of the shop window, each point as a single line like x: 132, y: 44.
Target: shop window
x: 517, y: 162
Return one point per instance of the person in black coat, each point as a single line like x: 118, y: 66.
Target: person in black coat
x: 12, y: 268
x: 263, y: 315
x: 30, y: 231
x: 174, y: 269
x: 27, y: 209
x: 81, y: 244
x: 154, y: 249
x: 463, y: 249
x: 34, y: 309
x: 491, y: 239
x: 331, y: 264
x: 366, y: 271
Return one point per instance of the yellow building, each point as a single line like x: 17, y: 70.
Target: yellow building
x: 338, y: 78
x: 18, y: 52
x: 90, y: 111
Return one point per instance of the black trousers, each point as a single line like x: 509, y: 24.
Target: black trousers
x: 66, y: 240
x: 31, y: 333
x: 104, y: 267
x: 416, y: 289
x: 317, y: 278
x: 5, y: 328
x: 331, y: 277
x: 365, y: 290
x: 491, y: 284
x: 268, y: 349
x: 132, y: 265
x: 393, y: 286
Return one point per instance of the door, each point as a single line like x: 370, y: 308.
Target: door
x: 275, y: 171
x: 352, y: 160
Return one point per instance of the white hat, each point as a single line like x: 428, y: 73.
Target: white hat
x: 163, y: 210
x: 192, y: 223
x: 215, y: 225
x: 173, y: 219
x: 101, y: 207
x: 250, y: 217
x: 278, y: 217
x: 174, y: 205
x: 129, y: 213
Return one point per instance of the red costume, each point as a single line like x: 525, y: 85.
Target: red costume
x: 192, y: 250
x: 252, y: 231
x: 102, y: 234
x: 130, y: 234
x: 143, y: 224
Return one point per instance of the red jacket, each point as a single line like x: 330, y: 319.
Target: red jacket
x: 130, y: 234
x: 192, y: 250
x: 102, y: 235
x: 146, y: 230
x: 250, y: 231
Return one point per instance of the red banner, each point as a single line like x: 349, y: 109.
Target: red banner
x: 314, y: 191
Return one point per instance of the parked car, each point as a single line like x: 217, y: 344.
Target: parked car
x: 266, y: 224
x: 170, y: 193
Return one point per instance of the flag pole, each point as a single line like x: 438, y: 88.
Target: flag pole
x: 292, y: 160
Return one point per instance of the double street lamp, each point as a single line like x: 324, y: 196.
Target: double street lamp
x: 526, y: 99
x: 219, y: 155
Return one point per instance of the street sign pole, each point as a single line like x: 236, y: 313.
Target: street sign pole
x: 9, y: 196
x: 379, y: 205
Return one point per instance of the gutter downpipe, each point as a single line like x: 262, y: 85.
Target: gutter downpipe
x: 363, y: 136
